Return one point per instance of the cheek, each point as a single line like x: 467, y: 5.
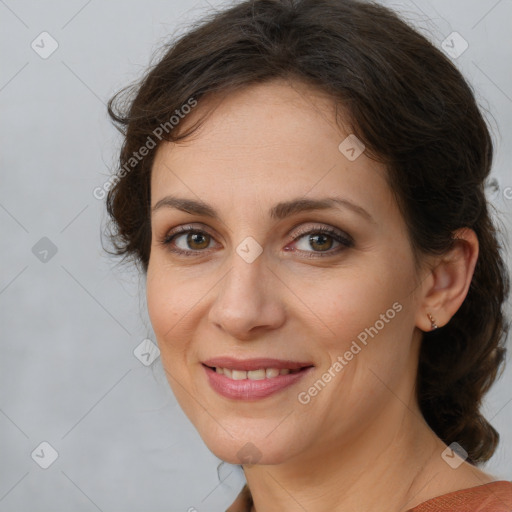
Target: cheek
x: 368, y: 320
x: 160, y: 303
x: 349, y: 302
x: 168, y: 304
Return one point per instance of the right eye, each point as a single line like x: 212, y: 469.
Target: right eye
x: 187, y: 241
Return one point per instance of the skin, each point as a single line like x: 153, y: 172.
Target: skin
x: 361, y: 441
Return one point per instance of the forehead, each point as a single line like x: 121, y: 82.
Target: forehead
x: 270, y: 139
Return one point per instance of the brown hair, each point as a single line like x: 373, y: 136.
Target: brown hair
x: 413, y: 110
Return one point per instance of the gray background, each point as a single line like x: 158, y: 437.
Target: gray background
x: 70, y: 321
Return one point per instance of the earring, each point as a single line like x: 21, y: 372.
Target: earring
x: 434, y: 326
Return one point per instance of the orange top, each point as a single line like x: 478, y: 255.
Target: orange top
x: 491, y: 497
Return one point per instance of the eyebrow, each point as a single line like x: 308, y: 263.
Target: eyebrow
x: 278, y: 212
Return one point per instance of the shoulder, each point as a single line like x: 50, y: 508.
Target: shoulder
x: 490, y: 497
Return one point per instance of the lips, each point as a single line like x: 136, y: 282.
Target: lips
x: 255, y: 364
x: 235, y: 378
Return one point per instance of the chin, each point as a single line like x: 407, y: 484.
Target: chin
x: 250, y: 449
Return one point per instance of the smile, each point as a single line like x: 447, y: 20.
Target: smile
x: 253, y: 379
x: 262, y: 373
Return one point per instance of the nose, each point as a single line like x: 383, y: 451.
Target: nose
x: 249, y: 300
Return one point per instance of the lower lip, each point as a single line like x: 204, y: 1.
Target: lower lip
x: 248, y: 389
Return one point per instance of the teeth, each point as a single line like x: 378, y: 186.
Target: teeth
x: 262, y: 373
x: 256, y: 374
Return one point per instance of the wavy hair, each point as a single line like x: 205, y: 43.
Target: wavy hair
x: 414, y: 112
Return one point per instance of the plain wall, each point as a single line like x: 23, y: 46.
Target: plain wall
x: 70, y: 321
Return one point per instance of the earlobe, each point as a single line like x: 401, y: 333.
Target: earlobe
x: 433, y: 325
x: 449, y: 283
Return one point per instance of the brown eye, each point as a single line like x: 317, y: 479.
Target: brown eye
x: 193, y: 240
x: 197, y: 240
x: 188, y: 241
x: 321, y: 242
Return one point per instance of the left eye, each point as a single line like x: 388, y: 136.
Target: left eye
x: 322, y: 240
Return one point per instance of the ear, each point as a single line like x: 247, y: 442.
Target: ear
x: 447, y: 284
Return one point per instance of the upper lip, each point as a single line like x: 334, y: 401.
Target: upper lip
x: 254, y: 364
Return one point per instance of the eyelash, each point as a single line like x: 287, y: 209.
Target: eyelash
x: 345, y: 240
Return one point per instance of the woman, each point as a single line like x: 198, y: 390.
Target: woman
x: 302, y: 183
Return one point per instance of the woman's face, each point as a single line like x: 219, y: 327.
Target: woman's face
x: 257, y: 277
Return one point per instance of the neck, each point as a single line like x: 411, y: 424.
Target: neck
x: 392, y: 461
